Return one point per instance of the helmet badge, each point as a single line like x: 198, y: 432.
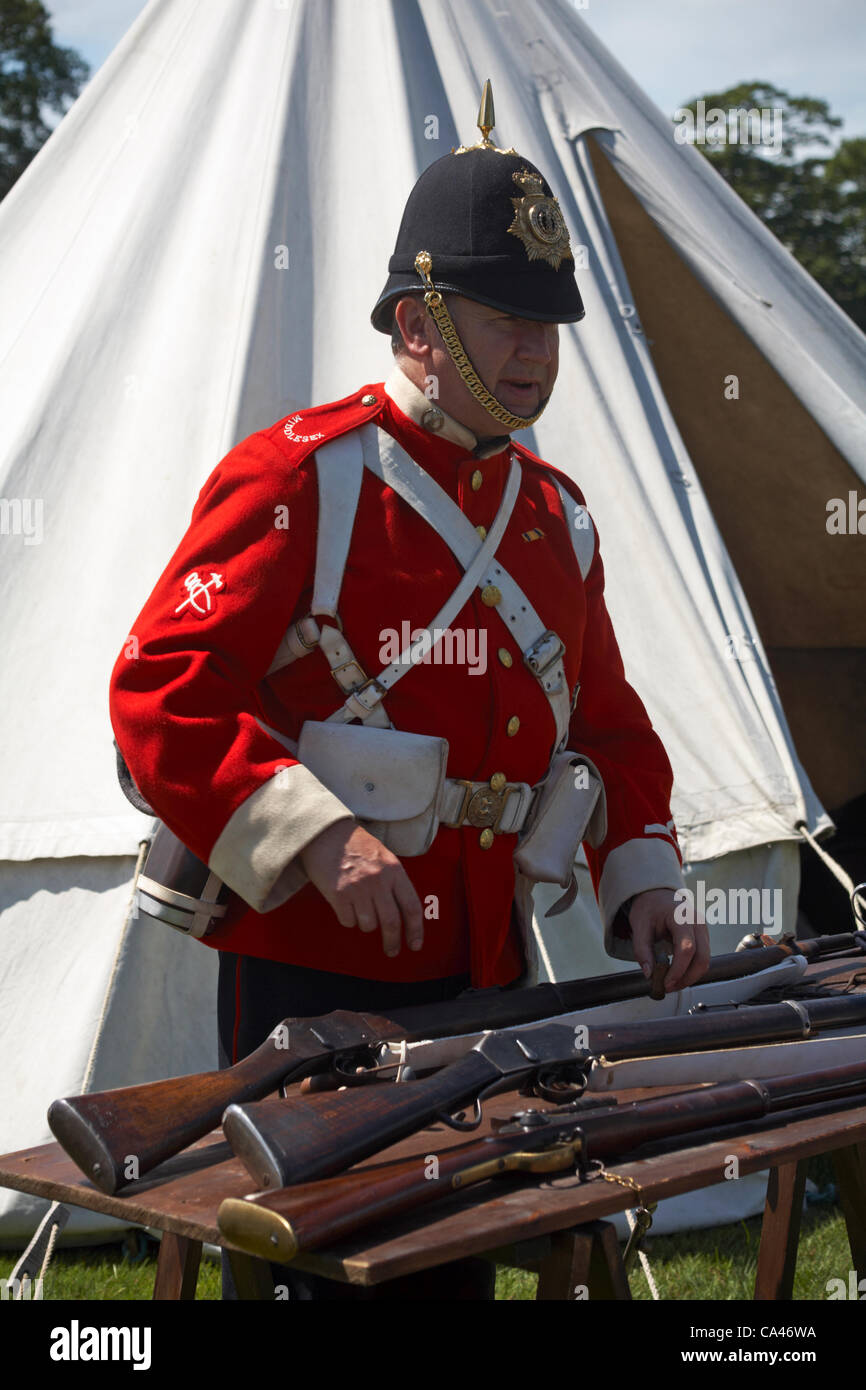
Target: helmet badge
x: 539, y: 223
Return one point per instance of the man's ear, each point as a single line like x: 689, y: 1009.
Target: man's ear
x: 411, y: 318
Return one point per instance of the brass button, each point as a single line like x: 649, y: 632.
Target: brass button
x: 497, y: 781
x: 368, y: 400
x: 512, y: 726
x: 482, y: 531
x: 477, y: 479
x: 485, y: 839
x: 505, y: 656
x: 491, y: 595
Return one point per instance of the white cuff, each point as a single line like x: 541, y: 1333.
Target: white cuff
x: 257, y: 851
x: 632, y: 868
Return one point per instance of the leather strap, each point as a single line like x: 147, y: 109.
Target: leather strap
x: 363, y: 701
x: 350, y: 677
x: 340, y: 464
x: 339, y: 477
x: 339, y: 474
x: 580, y: 528
x: 390, y: 462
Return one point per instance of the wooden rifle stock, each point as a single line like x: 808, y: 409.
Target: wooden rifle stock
x: 282, y: 1142
x: 278, y: 1225
x: 103, y: 1132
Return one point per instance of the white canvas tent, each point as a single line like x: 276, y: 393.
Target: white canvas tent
x: 194, y: 255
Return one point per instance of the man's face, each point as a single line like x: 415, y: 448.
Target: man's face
x: 517, y: 360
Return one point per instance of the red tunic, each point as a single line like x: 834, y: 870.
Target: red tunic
x: 185, y: 711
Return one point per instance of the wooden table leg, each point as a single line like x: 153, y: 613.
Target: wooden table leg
x: 177, y: 1267
x: 780, y: 1232
x: 252, y: 1276
x: 583, y: 1263
x: 850, y: 1166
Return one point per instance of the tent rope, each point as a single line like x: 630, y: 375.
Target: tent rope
x: 40, y: 1250
x: 855, y: 891
x: 630, y: 1216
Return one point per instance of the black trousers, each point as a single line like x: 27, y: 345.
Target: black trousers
x: 254, y: 996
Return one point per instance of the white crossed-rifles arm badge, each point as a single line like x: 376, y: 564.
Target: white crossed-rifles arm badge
x: 199, y: 593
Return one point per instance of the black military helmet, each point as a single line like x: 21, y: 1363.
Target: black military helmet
x: 494, y: 233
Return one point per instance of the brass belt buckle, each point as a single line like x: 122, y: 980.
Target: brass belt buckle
x: 485, y: 807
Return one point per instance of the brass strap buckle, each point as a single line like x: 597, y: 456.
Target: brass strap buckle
x: 310, y: 646
x: 376, y: 696
x: 337, y: 671
x: 540, y: 660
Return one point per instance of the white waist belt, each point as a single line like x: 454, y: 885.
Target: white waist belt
x: 504, y: 808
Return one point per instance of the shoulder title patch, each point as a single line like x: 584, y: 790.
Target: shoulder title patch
x: 289, y: 431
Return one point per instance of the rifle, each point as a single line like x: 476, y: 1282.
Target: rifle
x: 155, y: 1120
x: 288, y: 1141
x: 279, y: 1225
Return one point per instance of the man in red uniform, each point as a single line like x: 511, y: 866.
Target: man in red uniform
x: 315, y: 588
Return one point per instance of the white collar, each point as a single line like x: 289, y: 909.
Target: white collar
x: 431, y: 417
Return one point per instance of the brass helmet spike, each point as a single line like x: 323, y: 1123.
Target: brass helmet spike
x: 486, y: 116
x: 486, y: 121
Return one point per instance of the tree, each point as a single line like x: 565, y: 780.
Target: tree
x: 37, y: 79
x: 815, y: 203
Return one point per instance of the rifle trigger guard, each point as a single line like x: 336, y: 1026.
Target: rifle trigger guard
x: 453, y: 1122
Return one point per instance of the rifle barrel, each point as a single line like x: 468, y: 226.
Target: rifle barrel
x: 103, y: 1132
x: 278, y: 1225
x: 284, y: 1141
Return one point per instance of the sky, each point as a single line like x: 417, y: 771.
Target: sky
x: 675, y: 49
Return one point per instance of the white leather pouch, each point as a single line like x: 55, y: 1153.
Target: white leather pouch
x: 571, y: 808
x: 392, y: 781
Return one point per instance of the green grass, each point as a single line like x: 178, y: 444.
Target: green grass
x: 718, y: 1263
x: 721, y: 1263
x: 107, y: 1273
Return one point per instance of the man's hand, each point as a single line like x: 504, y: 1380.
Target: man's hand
x: 652, y: 919
x: 365, y: 884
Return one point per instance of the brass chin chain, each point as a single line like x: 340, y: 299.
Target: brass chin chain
x: 450, y: 337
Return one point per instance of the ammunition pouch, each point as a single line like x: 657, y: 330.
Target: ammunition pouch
x: 570, y: 807
x: 390, y: 780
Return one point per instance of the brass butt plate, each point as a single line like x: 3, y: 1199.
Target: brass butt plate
x: 257, y: 1230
